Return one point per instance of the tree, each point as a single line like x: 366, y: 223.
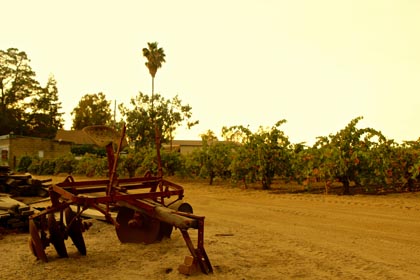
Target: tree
x: 17, y: 86
x: 348, y: 156
x: 93, y: 109
x: 272, y: 148
x: 267, y: 153
x: 45, y: 119
x: 215, y: 157
x: 143, y: 121
x: 404, y: 168
x: 155, y: 57
x: 244, y: 166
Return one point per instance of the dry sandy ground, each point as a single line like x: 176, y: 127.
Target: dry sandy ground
x: 251, y: 234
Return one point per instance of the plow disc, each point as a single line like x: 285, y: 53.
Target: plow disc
x: 75, y: 229
x: 135, y: 227
x: 36, y: 242
x: 57, y: 234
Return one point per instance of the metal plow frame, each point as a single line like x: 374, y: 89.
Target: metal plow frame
x: 149, y: 207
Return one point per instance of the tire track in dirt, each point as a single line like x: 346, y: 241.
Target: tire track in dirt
x: 320, y: 237
x: 252, y: 234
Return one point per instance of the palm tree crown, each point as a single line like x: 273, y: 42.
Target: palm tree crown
x: 155, y: 57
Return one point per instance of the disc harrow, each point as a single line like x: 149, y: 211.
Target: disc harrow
x: 149, y: 207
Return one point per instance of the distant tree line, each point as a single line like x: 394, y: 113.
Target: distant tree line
x: 29, y: 109
x: 26, y: 107
x: 353, y: 157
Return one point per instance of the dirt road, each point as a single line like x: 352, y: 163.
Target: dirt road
x: 251, y: 234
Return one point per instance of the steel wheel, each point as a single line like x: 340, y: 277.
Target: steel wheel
x: 75, y: 229
x: 135, y: 227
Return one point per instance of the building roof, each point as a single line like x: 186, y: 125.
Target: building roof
x: 73, y: 136
x: 80, y: 137
x: 187, y: 142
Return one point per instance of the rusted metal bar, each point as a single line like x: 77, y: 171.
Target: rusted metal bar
x: 160, y: 212
x: 113, y: 176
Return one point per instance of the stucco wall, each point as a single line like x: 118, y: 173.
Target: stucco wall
x: 17, y: 147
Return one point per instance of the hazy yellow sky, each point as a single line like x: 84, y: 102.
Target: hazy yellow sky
x: 317, y: 64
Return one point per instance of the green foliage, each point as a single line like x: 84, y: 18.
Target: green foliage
x: 34, y: 168
x: 360, y: 158
x: 149, y: 163
x: 26, y: 108
x: 92, y: 165
x: 45, y: 118
x: 154, y: 118
x: 347, y: 155
x: 88, y: 165
x: 24, y: 164
x: 149, y: 113
x: 93, y: 109
x: 242, y: 167
x: 212, y: 160
x: 172, y: 163
x: 302, y: 164
x: 266, y: 153
x: 137, y: 163
x: 215, y: 157
x: 65, y: 164
x: 192, y: 164
x: 17, y: 85
x: 404, y: 165
x: 130, y: 162
x: 80, y: 150
x: 155, y: 57
x: 42, y: 166
x: 47, y: 167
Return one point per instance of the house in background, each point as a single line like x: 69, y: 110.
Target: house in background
x: 14, y: 147
x: 78, y: 137
x: 183, y: 146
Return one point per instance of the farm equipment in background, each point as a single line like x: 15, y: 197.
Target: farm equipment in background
x: 148, y: 208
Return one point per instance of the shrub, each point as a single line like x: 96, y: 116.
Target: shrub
x: 80, y: 150
x: 130, y: 163
x: 24, y: 164
x: 171, y: 162
x: 65, y: 164
x: 91, y: 165
x: 41, y: 166
x: 47, y: 167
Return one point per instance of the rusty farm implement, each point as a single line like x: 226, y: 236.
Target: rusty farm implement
x: 148, y: 208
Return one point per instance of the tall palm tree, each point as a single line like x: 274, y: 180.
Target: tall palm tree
x: 155, y: 57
